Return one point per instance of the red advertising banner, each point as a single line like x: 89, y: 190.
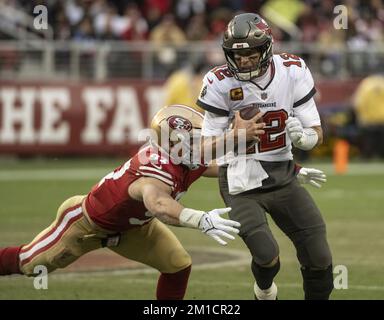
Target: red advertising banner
x: 80, y: 118
x: 83, y: 118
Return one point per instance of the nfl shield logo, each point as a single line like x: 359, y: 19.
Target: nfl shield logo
x: 264, y: 95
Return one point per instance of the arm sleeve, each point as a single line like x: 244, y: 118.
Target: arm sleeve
x: 307, y: 114
x: 211, y: 98
x: 304, y: 85
x: 304, y: 107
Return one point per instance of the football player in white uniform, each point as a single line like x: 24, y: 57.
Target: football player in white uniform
x: 281, y: 86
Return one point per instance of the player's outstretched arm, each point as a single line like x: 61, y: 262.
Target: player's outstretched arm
x: 156, y: 196
x: 252, y: 128
x: 212, y: 171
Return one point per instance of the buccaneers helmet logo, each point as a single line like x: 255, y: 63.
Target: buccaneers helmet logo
x: 262, y: 25
x: 177, y: 122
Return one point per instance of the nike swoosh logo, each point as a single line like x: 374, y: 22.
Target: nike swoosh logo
x: 210, y: 81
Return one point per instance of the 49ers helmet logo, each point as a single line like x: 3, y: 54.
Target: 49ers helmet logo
x: 180, y: 123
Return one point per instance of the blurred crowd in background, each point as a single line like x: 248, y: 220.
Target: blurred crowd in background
x: 170, y: 25
x: 309, y: 25
x: 191, y: 20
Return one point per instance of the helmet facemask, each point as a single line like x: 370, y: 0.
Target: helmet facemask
x: 258, y: 70
x: 185, y: 147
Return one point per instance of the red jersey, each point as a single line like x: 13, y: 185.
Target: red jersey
x: 109, y: 204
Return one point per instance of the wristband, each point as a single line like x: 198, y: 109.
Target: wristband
x: 190, y: 218
x: 308, y: 140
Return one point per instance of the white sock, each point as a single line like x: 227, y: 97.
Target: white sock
x: 266, y: 294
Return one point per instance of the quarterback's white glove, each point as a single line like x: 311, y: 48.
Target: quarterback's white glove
x: 302, y: 138
x: 216, y: 227
x: 294, y: 129
x: 314, y: 177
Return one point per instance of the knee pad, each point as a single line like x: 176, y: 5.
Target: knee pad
x: 314, y: 251
x: 318, y: 284
x: 179, y: 259
x: 262, y: 246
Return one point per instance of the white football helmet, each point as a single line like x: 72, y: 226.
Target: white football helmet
x: 178, y: 130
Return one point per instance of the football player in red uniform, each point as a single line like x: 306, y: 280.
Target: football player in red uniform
x: 125, y: 210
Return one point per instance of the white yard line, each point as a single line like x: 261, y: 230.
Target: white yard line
x: 246, y: 284
x: 85, y: 277
x: 238, y: 258
x: 355, y: 169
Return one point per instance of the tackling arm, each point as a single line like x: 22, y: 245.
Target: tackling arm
x: 252, y: 129
x: 212, y: 170
x: 216, y: 145
x: 156, y: 196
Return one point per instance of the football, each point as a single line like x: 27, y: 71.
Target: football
x: 249, y: 111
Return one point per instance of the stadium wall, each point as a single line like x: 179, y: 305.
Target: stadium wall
x: 83, y: 118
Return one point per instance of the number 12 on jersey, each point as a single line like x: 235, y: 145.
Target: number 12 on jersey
x: 274, y: 137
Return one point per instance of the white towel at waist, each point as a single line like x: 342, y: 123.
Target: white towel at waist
x: 244, y: 173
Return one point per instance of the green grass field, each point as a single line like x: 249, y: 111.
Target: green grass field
x: 352, y: 205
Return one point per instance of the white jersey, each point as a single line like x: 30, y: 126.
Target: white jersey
x: 287, y: 91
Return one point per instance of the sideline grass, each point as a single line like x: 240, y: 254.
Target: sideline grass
x: 351, y: 205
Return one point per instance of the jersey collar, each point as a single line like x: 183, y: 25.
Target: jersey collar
x: 270, y: 74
